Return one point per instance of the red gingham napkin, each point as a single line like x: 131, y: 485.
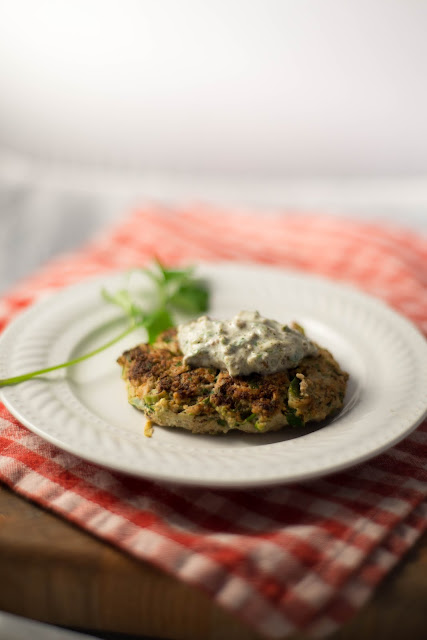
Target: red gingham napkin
x: 284, y: 559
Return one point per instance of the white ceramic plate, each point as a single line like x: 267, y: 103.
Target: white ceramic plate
x: 84, y: 409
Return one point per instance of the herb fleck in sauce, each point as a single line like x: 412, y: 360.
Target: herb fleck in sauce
x: 246, y: 344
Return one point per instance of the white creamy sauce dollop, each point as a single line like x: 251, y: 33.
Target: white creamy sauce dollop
x: 248, y: 343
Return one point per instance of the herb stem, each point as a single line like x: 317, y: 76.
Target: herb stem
x: 175, y: 289
x: 27, y: 376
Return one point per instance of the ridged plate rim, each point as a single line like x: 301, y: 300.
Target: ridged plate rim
x: 363, y: 323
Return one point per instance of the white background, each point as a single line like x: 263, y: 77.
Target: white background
x: 305, y: 105
x: 295, y: 87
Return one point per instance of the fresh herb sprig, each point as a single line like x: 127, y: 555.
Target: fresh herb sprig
x: 174, y: 290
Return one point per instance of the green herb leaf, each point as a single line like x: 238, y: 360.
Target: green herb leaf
x: 157, y: 322
x: 294, y: 389
x: 191, y: 297
x: 293, y: 419
x: 170, y: 275
x: 151, y: 399
x: 251, y: 418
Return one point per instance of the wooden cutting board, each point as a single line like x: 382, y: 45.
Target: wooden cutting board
x: 53, y: 572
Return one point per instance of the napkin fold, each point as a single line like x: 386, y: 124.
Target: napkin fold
x: 286, y: 558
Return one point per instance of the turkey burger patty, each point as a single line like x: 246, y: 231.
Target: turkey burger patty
x: 209, y: 400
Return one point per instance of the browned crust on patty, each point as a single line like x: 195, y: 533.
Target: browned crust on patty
x: 211, y: 401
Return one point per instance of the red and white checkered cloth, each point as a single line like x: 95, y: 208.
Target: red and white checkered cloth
x: 283, y: 559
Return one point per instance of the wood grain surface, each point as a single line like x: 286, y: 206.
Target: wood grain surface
x: 53, y: 572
